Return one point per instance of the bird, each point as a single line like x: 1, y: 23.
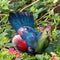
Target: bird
x: 28, y: 39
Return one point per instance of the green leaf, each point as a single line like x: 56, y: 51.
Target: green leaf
x: 4, y: 4
x: 5, y: 19
x: 54, y: 34
x: 8, y: 27
x: 40, y: 57
x: 40, y: 10
x: 10, y: 44
x: 35, y: 16
x: 32, y: 9
x: 25, y: 55
x: 3, y: 34
x: 1, y: 30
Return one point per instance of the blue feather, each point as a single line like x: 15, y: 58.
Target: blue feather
x: 25, y: 20
x: 14, y: 21
x: 31, y: 36
x: 30, y: 39
x: 20, y: 19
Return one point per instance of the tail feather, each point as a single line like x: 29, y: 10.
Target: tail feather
x: 31, y: 19
x: 14, y: 21
x: 20, y: 19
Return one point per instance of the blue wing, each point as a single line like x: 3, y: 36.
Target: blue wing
x: 31, y: 36
x: 20, y: 19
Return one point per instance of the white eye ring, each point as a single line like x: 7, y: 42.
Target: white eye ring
x: 25, y: 28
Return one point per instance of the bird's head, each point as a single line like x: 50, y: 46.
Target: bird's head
x: 20, y: 43
x: 20, y: 30
x: 49, y: 26
x: 49, y: 31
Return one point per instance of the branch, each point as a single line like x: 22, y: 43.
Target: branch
x: 29, y: 5
x: 3, y: 14
x: 42, y: 16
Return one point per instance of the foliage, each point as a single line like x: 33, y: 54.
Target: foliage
x: 39, y: 9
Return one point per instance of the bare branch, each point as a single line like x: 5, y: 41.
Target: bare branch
x: 3, y: 14
x: 29, y: 5
x: 42, y: 16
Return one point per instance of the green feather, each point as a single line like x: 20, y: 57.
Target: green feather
x: 43, y: 42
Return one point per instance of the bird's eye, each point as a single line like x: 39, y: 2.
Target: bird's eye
x: 25, y: 29
x: 47, y: 32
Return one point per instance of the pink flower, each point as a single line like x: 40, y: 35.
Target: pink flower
x: 11, y: 50
x: 40, y: 28
x: 16, y: 53
x: 54, y: 57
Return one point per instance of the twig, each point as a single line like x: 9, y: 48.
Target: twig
x: 42, y: 16
x: 3, y: 14
x: 29, y: 5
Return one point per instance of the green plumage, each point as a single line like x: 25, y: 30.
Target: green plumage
x: 43, y: 42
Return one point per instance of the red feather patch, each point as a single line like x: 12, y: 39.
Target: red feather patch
x: 22, y: 45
